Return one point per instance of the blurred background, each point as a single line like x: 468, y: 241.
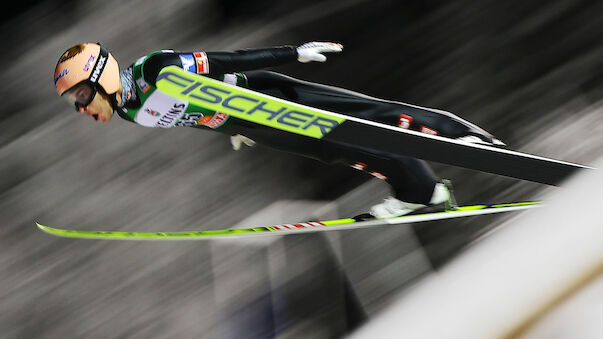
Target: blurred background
x: 527, y: 71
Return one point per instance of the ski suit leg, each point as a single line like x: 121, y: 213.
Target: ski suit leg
x: 362, y: 106
x: 411, y: 179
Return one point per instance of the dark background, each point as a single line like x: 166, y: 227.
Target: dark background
x: 527, y: 71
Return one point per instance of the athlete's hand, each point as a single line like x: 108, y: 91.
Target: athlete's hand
x: 239, y: 140
x: 313, y: 51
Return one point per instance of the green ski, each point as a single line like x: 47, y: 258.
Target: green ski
x: 313, y: 226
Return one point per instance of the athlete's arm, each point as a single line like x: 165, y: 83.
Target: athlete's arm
x: 217, y: 63
x: 250, y: 59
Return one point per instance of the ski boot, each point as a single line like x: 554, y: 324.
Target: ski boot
x: 392, y: 207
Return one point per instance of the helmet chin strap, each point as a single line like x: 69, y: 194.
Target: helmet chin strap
x: 114, y: 105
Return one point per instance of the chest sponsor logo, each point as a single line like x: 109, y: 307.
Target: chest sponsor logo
x: 151, y: 112
x: 188, y: 63
x: 190, y: 119
x: 161, y: 110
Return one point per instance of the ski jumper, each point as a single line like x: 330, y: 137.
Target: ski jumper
x: 411, y: 179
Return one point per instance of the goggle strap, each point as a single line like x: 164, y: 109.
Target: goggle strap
x: 99, y: 65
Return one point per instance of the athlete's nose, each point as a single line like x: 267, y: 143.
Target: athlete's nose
x: 85, y: 110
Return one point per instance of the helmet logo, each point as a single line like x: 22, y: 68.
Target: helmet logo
x: 97, y: 70
x: 89, y: 63
x: 62, y: 74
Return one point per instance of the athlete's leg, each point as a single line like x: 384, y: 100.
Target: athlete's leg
x: 413, y: 183
x: 355, y: 104
x: 411, y: 179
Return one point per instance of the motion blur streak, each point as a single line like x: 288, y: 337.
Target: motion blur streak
x: 527, y: 71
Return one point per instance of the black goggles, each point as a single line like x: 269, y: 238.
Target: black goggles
x: 82, y: 94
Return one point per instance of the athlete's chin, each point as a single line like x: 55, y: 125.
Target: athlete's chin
x: 104, y: 118
x: 107, y: 117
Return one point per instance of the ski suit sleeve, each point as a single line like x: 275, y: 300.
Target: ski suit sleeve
x: 217, y: 63
x: 249, y: 59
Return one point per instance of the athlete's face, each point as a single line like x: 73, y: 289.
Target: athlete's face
x: 99, y: 109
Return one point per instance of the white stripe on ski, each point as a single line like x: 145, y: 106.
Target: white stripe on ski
x: 409, y: 219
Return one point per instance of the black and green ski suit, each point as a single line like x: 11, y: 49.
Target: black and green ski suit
x: 411, y: 179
